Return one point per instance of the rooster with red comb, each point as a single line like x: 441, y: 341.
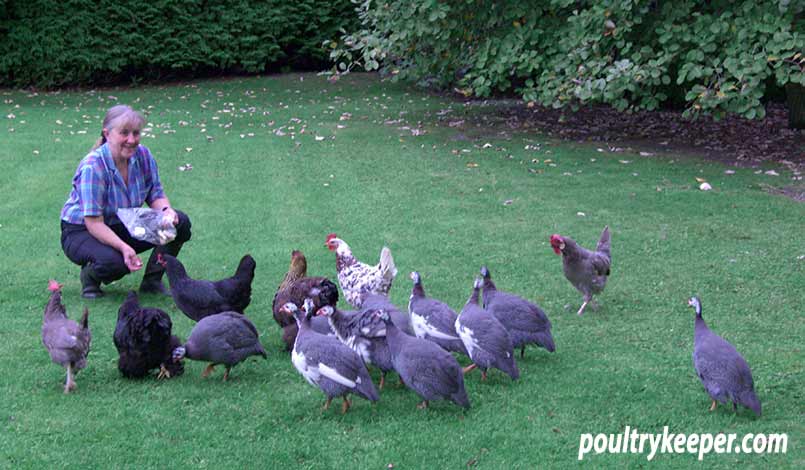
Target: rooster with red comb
x: 586, y: 270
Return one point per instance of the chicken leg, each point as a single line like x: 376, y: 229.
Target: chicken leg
x: 226, y: 373
x: 469, y: 368
x: 69, y: 384
x: 583, y: 305
x: 713, y: 406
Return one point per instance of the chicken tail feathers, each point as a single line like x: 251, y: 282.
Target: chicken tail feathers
x: 85, y: 319
x: 603, y: 242
x: 387, y: 266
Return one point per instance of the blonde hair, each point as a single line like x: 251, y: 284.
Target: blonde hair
x: 116, y: 116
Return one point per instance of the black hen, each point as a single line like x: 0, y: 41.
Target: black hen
x: 144, y: 342
x: 199, y: 298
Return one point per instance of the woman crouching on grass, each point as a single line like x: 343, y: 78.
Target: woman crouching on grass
x: 117, y: 173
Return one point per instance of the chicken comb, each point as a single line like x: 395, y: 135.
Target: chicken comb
x: 331, y: 236
x: 54, y: 286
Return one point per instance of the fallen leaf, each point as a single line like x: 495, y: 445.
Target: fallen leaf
x: 188, y: 149
x: 701, y: 180
x: 772, y: 173
x: 729, y: 172
x: 319, y: 138
x: 625, y: 161
x: 705, y: 187
x: 646, y: 154
x: 508, y: 202
x: 472, y: 165
x: 581, y: 214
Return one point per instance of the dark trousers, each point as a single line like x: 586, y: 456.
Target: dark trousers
x: 82, y: 248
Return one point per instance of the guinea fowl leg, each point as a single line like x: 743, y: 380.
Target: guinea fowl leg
x: 226, y: 373
x: 581, y: 310
x: 423, y: 405
x: 483, y: 375
x: 469, y: 368
x: 522, y: 351
x: 326, y: 404
x: 713, y: 406
x: 382, y: 380
x: 208, y: 371
x: 345, y: 406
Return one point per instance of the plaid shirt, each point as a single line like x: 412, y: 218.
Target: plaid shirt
x: 98, y: 187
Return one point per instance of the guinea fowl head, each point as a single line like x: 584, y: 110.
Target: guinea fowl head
x: 696, y: 304
x: 327, y: 310
x: 484, y: 272
x: 557, y: 243
x: 308, y: 307
x: 178, y: 354
x: 54, y: 286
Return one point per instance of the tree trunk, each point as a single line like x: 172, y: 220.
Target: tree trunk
x: 795, y: 94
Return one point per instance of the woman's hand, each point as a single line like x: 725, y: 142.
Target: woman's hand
x: 169, y: 216
x: 130, y: 257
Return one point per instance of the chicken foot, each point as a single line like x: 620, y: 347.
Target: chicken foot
x: 163, y: 373
x: 226, y: 373
x: 423, y: 405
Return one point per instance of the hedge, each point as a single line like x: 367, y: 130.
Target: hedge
x: 46, y: 43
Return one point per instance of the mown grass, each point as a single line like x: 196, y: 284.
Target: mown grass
x: 439, y: 200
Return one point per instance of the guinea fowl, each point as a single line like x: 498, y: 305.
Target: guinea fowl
x: 226, y: 338
x: 144, y: 341
x: 424, y: 367
x: 380, y: 302
x: 487, y: 341
x: 199, y: 298
x: 66, y: 341
x: 525, y: 321
x: 359, y: 279
x: 296, y: 287
x: 365, y: 334
x: 721, y: 369
x: 327, y: 363
x: 586, y: 270
x: 433, y: 319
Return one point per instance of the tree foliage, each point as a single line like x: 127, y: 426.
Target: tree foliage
x: 52, y: 43
x: 716, y: 57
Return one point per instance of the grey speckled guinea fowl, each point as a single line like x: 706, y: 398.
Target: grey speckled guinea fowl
x: 226, y: 338
x: 424, y: 367
x: 364, y: 333
x: 524, y: 320
x: 486, y: 340
x: 721, y: 369
x: 433, y: 319
x: 382, y: 303
x: 327, y: 363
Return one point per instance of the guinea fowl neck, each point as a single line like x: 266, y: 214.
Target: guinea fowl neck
x: 418, y: 290
x: 474, y: 296
x: 394, y: 338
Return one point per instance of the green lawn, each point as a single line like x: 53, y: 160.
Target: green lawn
x: 279, y: 162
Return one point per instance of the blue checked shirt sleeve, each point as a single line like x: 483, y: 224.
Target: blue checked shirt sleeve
x: 92, y: 191
x: 151, y: 174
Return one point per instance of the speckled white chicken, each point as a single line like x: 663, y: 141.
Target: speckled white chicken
x: 357, y: 279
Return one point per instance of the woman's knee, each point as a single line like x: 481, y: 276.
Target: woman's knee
x: 109, y: 268
x: 183, y: 228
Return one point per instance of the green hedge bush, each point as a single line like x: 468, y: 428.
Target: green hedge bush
x: 48, y: 43
x: 715, y: 57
